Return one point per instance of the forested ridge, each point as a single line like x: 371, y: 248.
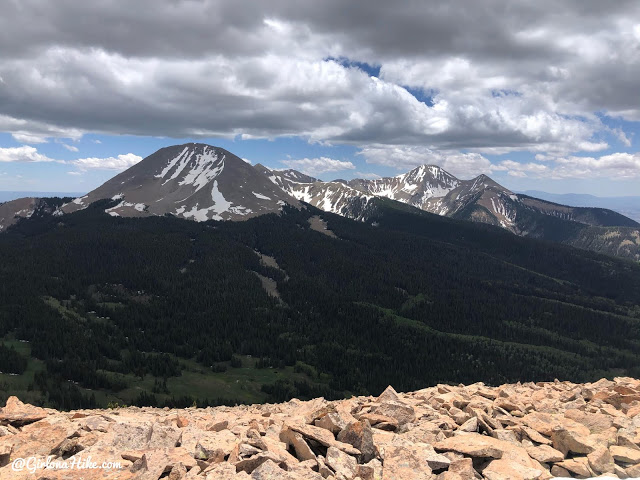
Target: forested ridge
x: 164, y: 311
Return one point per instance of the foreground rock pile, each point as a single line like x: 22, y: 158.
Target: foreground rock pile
x: 511, y: 432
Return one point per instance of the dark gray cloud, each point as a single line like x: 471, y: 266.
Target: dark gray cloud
x: 191, y: 28
x: 505, y: 75
x: 140, y: 28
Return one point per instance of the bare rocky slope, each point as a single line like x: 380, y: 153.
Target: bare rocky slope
x: 12, y: 211
x: 511, y: 432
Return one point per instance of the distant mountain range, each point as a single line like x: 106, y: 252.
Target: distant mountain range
x: 628, y: 206
x: 201, y: 182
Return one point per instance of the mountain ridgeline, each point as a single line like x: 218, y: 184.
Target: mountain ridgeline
x: 200, y: 182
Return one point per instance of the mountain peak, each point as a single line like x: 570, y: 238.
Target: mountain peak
x: 192, y: 180
x: 433, y: 174
x: 424, y: 169
x: 483, y: 181
x: 296, y: 176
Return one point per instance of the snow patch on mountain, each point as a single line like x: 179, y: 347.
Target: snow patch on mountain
x: 199, y: 168
x: 220, y: 204
x: 415, y: 188
x: 80, y: 200
x: 215, y: 211
x: 197, y: 214
x: 207, y: 167
x: 139, y: 207
x: 180, y: 158
x: 260, y: 196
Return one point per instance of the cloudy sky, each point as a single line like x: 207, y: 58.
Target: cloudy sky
x: 539, y: 95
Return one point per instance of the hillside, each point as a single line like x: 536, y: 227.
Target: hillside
x: 533, y: 431
x: 165, y: 311
x: 12, y: 211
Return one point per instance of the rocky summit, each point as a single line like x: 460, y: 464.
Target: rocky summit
x: 511, y: 432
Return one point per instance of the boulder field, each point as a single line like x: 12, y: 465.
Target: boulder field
x: 510, y: 432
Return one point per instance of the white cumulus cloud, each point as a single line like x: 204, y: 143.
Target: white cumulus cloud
x: 451, y: 82
x: 121, y: 162
x: 463, y: 165
x: 616, y: 166
x: 23, y: 154
x: 27, y: 153
x: 315, y: 166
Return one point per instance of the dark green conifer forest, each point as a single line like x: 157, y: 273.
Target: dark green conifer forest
x: 96, y: 310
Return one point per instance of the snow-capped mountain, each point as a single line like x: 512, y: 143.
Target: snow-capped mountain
x: 481, y: 200
x: 335, y: 197
x: 430, y: 188
x: 416, y: 188
x: 193, y: 181
x: 201, y: 182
